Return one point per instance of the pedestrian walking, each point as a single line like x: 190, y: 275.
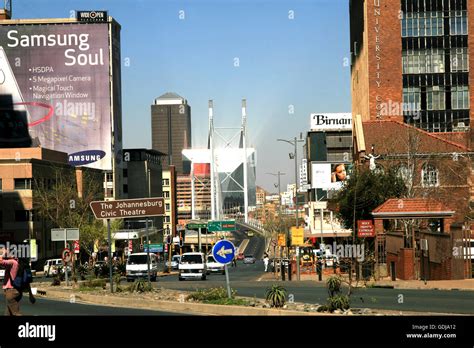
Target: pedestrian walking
x: 13, y: 295
x: 265, y: 262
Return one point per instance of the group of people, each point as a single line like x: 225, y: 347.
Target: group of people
x: 13, y: 295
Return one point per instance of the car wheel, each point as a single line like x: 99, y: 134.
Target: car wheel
x: 181, y: 279
x: 203, y: 277
x: 223, y: 272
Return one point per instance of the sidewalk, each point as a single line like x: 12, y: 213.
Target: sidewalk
x: 461, y: 284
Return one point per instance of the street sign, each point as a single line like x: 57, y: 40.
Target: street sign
x: 62, y: 234
x: 297, y: 236
x: 196, y: 225
x: 223, y: 252
x: 217, y: 226
x: 76, y: 247
x: 365, y: 228
x: 130, y: 245
x: 282, y: 239
x: 154, y: 248
x: 128, y: 208
x: 66, y: 255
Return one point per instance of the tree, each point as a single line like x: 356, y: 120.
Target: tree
x: 58, y: 200
x: 364, y: 191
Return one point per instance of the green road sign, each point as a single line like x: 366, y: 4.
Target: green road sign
x: 217, y: 226
x: 196, y: 225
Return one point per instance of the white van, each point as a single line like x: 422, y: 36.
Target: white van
x: 51, y: 266
x: 192, y: 266
x: 137, y: 266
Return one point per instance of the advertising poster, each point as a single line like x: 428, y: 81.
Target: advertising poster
x: 55, y: 84
x: 329, y: 176
x: 334, y: 121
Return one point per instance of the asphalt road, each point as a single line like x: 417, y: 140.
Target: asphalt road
x: 246, y: 280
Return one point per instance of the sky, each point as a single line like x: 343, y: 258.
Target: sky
x: 287, y: 58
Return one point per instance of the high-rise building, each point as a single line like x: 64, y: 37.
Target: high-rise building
x: 411, y: 62
x: 171, y: 130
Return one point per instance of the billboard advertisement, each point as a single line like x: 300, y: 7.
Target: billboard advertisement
x: 335, y: 121
x: 329, y: 176
x: 56, y: 78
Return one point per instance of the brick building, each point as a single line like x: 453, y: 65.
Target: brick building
x: 411, y: 62
x: 22, y: 170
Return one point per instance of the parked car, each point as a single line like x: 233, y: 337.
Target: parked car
x: 192, y: 266
x: 174, y: 262
x: 213, y: 266
x: 51, y: 267
x: 249, y: 259
x: 137, y: 266
x: 240, y: 256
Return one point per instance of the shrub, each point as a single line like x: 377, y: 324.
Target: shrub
x: 209, y: 295
x: 94, y: 283
x: 334, y: 284
x: 140, y: 285
x: 276, y: 296
x: 340, y: 302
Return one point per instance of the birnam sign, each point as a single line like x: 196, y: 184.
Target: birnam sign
x: 128, y: 208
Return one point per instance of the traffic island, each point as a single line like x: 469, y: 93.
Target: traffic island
x: 180, y: 302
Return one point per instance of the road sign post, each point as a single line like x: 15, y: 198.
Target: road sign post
x: 127, y: 208
x: 224, y: 252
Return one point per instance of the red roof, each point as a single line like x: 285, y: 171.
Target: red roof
x: 395, y: 137
x: 412, y: 207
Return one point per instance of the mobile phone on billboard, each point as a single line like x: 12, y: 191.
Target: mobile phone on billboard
x: 9, y: 86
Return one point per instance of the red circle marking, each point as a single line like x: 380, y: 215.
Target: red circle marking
x: 41, y: 120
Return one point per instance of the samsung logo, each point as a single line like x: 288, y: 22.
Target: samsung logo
x: 85, y: 157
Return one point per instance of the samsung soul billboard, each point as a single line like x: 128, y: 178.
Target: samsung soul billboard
x: 54, y: 85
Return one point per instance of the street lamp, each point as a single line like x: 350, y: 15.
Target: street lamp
x: 295, y: 157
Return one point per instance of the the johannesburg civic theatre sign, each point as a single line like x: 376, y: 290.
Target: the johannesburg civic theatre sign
x: 128, y: 208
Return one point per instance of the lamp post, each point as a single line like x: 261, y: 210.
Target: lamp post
x: 295, y: 157
x: 279, y: 174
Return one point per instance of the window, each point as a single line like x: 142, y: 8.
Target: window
x: 110, y: 177
x: 125, y: 188
x: 429, y: 176
x: 435, y: 98
x: 167, y: 219
x: 423, y: 61
x: 166, y: 182
x: 22, y: 184
x: 125, y: 173
x: 460, y: 97
x: 1, y: 185
x: 404, y: 173
x: 166, y: 194
x: 459, y: 59
x: 458, y: 23
x: 416, y: 24
x: 167, y: 207
x: 411, y: 99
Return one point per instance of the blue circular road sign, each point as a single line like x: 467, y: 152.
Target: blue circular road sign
x: 223, y: 251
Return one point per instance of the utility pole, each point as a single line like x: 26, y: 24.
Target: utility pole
x: 295, y: 157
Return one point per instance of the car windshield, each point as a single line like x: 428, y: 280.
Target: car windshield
x: 191, y: 259
x: 210, y: 258
x: 176, y: 258
x: 136, y: 259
